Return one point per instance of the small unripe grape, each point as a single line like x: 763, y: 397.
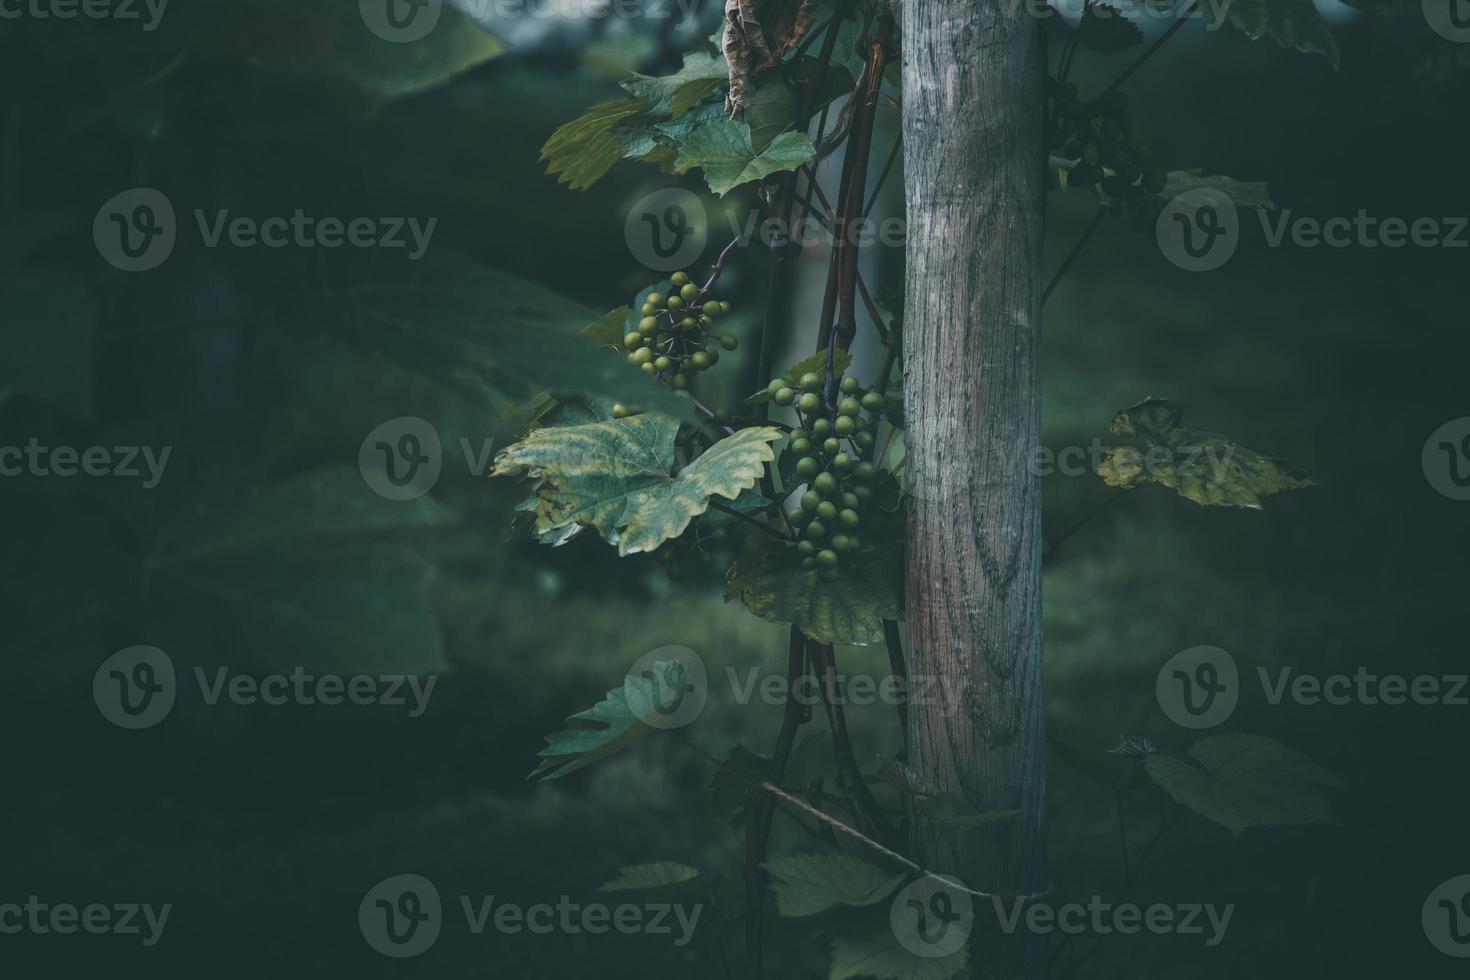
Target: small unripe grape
x: 826, y: 510
x: 810, y: 402
x: 842, y: 462
x: 849, y: 517
x: 825, y: 484
x: 648, y: 368
x: 864, y: 472
x: 809, y: 562
x: 724, y: 306
x: 821, y: 427
x: 620, y: 411
x: 784, y: 397
x: 806, y: 549
x: 700, y: 360
x: 713, y: 354
x: 798, y: 517
x: 681, y: 381
x: 704, y: 320
x: 729, y: 341
x: 680, y: 278
x: 662, y: 363
x: 863, y: 493
x: 810, y: 381
x: 648, y: 309
x: 844, y: 425
x: 831, y: 446
x: 872, y: 401
x: 633, y: 339
x: 688, y: 323
x: 655, y: 299
x: 850, y: 500
x: 850, y: 386
x: 775, y: 386
x: 674, y: 302
x: 853, y: 543
x: 849, y: 406
x: 640, y: 356
x: 839, y: 542
x: 810, y: 501
x: 801, y: 446
x: 807, y: 467
x: 826, y: 557
x: 688, y: 292
x: 647, y: 326
x: 816, y: 530
x: 864, y: 440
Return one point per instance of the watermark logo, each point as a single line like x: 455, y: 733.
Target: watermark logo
x: 401, y: 916
x: 667, y: 688
x: 1446, y: 459
x: 666, y: 230
x: 402, y: 458
x: 1446, y: 917
x: 1450, y: 19
x: 135, y: 230
x: 1199, y: 230
x: 1199, y: 687
x: 933, y: 916
x: 135, y: 688
x: 401, y: 21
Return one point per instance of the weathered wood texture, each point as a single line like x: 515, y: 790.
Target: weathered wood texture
x: 974, y: 163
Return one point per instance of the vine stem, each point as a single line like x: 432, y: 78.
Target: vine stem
x: 760, y: 808
x: 722, y: 508
x: 1092, y: 228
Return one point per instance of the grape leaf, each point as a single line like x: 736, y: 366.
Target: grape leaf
x: 725, y: 152
x: 579, y: 152
x: 877, y: 955
x: 329, y: 41
x: 611, y: 724
x: 670, y: 96
x: 1247, y: 781
x: 619, y: 476
x: 805, y: 884
x: 768, y: 577
x: 1245, y: 193
x: 649, y: 877
x: 498, y: 339
x: 1204, y: 467
x: 609, y: 328
x: 740, y: 773
x: 1107, y: 30
x: 1293, y: 24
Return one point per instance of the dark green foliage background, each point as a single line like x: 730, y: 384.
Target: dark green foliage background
x: 265, y: 827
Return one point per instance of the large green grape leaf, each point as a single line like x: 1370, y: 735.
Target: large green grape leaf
x: 868, y: 588
x: 1245, y: 193
x: 294, y: 572
x: 725, y: 151
x: 331, y: 41
x: 578, y: 153
x: 878, y: 955
x: 1201, y: 466
x: 620, y: 477
x: 611, y: 724
x: 1247, y: 781
x: 1293, y: 24
x: 806, y: 884
x: 670, y: 96
x: 498, y: 339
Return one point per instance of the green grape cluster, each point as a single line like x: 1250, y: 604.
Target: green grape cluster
x: 830, y: 449
x: 1099, y: 136
x: 674, y: 340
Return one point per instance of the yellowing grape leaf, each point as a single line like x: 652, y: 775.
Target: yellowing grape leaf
x: 620, y: 477
x: 1207, y: 468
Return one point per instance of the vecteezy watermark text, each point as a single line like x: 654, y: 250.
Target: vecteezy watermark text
x: 37, y: 460
x: 40, y: 918
x: 402, y: 916
x: 149, y: 12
